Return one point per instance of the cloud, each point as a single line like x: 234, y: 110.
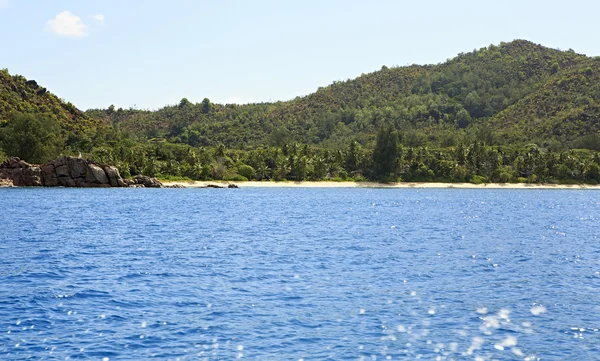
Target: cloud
x: 99, y: 18
x: 67, y: 24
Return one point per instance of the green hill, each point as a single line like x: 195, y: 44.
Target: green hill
x: 438, y: 102
x: 565, y: 108
x: 518, y: 110
x: 17, y: 94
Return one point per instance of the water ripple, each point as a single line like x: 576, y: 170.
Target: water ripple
x: 289, y: 274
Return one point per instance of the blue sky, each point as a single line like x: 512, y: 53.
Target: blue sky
x: 152, y: 53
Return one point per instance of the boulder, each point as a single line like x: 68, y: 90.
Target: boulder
x: 21, y: 173
x: 68, y: 182
x: 147, y: 182
x: 95, y: 174
x: 5, y: 183
x: 63, y: 171
x: 114, y: 178
x: 49, y: 178
x: 77, y: 167
x: 176, y: 186
x: 32, y: 176
x: 60, y: 161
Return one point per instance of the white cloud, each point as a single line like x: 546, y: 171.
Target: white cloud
x: 99, y: 18
x: 67, y: 24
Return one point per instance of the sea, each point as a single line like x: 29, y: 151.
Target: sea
x: 299, y: 274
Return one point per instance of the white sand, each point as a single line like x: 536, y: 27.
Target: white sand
x: 321, y: 184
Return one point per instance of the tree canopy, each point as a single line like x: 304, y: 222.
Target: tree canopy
x: 516, y: 111
x: 32, y: 137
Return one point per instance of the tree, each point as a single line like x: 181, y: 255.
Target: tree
x: 246, y: 171
x: 184, y: 103
x: 353, y: 156
x: 463, y: 118
x: 35, y: 138
x: 206, y: 106
x: 385, y: 155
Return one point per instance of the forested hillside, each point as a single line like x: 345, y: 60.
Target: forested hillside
x: 514, y: 112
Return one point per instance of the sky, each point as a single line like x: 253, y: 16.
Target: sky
x: 152, y: 53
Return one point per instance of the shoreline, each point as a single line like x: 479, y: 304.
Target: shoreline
x: 415, y: 185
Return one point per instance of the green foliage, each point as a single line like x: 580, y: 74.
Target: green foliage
x: 174, y: 178
x: 19, y: 95
x: 520, y: 90
x: 513, y: 112
x: 246, y: 171
x: 477, y: 179
x: 236, y: 178
x: 34, y: 138
x: 385, y: 155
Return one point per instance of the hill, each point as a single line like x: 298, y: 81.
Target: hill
x: 435, y: 101
x: 518, y: 110
x: 17, y: 94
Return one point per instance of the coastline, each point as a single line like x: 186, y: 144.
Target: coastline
x: 417, y: 185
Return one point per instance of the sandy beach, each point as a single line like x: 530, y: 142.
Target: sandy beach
x: 322, y: 184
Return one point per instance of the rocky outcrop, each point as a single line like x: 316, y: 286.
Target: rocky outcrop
x: 70, y: 172
x: 114, y: 178
x: 5, y: 183
x: 21, y: 173
x: 144, y: 181
x: 176, y: 186
x: 211, y: 185
x: 64, y: 171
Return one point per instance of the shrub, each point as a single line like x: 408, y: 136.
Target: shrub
x: 236, y: 178
x: 174, y: 178
x: 521, y: 180
x: 477, y: 179
x: 246, y: 171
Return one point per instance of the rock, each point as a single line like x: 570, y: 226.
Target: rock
x: 5, y: 183
x: 60, y: 161
x: 63, y: 171
x: 95, y: 174
x: 114, y: 178
x: 49, y: 178
x: 69, y: 182
x: 32, y: 176
x: 146, y: 181
x: 77, y: 167
x: 176, y: 186
x: 210, y: 185
x: 21, y: 173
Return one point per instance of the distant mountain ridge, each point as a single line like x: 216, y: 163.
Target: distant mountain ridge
x: 511, y: 88
x: 514, y: 112
x: 520, y: 91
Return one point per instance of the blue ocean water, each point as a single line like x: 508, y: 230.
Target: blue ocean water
x: 299, y: 274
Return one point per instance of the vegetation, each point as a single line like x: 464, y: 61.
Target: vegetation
x: 517, y: 112
x: 32, y: 137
